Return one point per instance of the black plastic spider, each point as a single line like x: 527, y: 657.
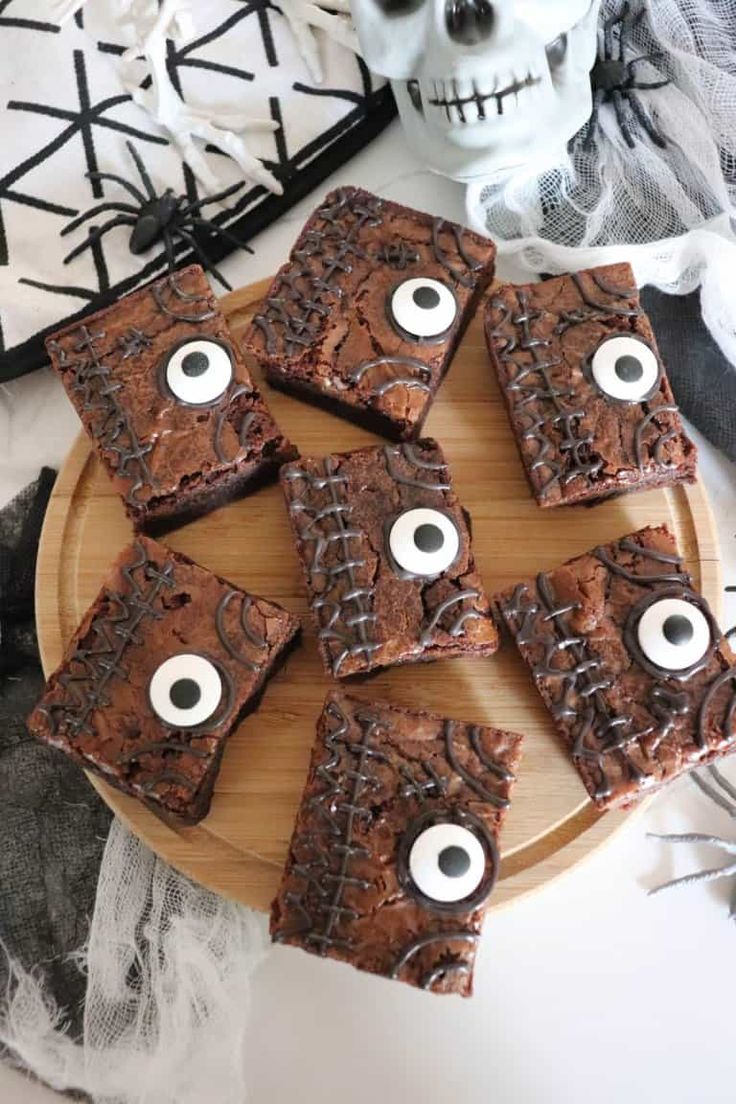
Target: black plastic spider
x: 614, y: 80
x: 156, y: 218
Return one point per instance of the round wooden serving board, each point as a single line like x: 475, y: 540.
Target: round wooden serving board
x: 240, y: 848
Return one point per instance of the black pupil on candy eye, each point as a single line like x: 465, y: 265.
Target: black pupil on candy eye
x: 629, y: 369
x: 453, y: 861
x: 426, y: 297
x: 428, y: 538
x: 677, y: 629
x: 195, y: 364
x: 184, y: 693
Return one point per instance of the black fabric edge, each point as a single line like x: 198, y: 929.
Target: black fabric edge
x: 31, y: 354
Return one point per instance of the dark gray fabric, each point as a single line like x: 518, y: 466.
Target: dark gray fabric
x: 703, y: 381
x: 52, y: 824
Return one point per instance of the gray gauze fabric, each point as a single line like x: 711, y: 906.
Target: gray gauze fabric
x: 703, y: 381
x: 52, y: 824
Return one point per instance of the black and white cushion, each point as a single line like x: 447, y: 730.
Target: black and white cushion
x: 64, y: 112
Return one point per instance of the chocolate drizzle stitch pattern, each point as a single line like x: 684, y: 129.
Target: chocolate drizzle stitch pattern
x: 349, y: 613
x: 320, y: 903
x: 601, y: 731
x: 94, y: 381
x: 92, y: 668
x: 288, y: 321
x: 532, y: 385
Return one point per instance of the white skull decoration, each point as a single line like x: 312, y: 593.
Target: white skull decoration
x: 483, y: 87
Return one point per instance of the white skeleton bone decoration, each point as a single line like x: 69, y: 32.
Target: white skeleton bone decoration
x: 152, y: 25
x: 484, y: 86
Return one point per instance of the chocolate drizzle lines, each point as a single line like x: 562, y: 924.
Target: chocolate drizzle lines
x: 241, y: 389
x: 544, y: 623
x: 458, y: 625
x: 250, y: 634
x: 662, y: 440
x: 340, y: 804
x: 532, y: 384
x: 415, y: 383
x: 600, y: 731
x: 98, y: 391
x: 349, y: 613
x: 290, y: 319
x: 474, y: 784
x: 434, y: 974
x: 178, y: 293
x: 464, y: 278
x: 96, y: 666
x: 409, y: 453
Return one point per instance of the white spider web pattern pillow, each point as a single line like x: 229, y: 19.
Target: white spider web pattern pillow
x: 64, y: 112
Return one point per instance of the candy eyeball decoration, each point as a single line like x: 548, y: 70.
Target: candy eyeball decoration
x: 198, y: 371
x: 626, y: 369
x: 674, y: 634
x: 423, y: 542
x: 422, y: 309
x: 448, y: 861
x: 185, y: 690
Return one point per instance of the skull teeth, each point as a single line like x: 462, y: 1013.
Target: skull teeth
x: 473, y: 105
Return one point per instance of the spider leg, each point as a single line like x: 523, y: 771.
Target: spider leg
x: 723, y: 782
x: 696, y: 837
x: 645, y: 85
x: 135, y: 192
x: 95, y: 235
x: 592, y: 122
x: 200, y: 253
x: 711, y: 792
x: 124, y: 207
x: 608, y: 26
x: 214, y: 198
x: 693, y: 879
x: 618, y: 104
x: 169, y: 247
x: 646, y: 123
x: 215, y: 229
x: 143, y: 171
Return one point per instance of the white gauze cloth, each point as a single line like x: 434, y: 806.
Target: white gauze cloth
x: 168, y: 966
x: 668, y: 211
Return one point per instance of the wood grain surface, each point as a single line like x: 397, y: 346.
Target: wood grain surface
x: 239, y: 849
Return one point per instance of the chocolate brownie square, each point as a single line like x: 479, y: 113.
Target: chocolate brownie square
x: 163, y: 392
x: 394, y: 852
x: 164, y: 666
x: 590, y: 404
x: 630, y: 663
x: 365, y: 316
x: 387, y: 556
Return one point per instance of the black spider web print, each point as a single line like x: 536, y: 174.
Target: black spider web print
x: 299, y: 170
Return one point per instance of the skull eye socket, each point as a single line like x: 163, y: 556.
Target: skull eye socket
x: 674, y: 634
x: 198, y: 372
x: 448, y: 861
x: 423, y: 541
x: 626, y: 369
x: 399, y: 7
x: 422, y: 309
x: 185, y: 690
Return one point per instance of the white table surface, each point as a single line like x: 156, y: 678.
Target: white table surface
x: 586, y: 990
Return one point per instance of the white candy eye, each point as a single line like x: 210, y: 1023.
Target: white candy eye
x: 185, y: 690
x: 423, y: 309
x: 198, y: 372
x: 626, y: 369
x: 424, y: 541
x: 447, y: 862
x: 674, y: 634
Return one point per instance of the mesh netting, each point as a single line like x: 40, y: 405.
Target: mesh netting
x: 668, y: 209
x: 168, y: 968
